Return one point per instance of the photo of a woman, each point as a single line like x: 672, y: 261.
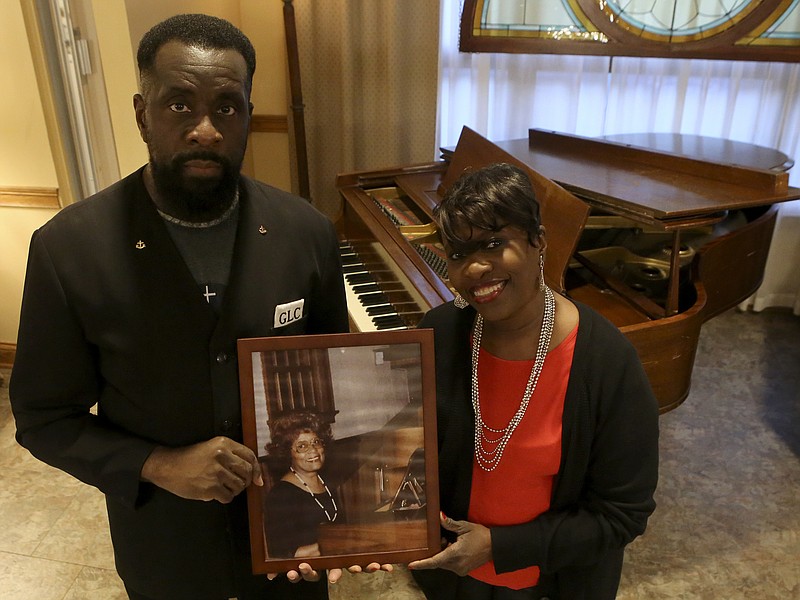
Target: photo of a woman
x: 301, y: 499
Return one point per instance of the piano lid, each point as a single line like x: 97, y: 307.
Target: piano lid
x: 652, y: 186
x: 563, y: 215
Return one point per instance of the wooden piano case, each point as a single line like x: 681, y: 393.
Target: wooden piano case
x: 656, y: 241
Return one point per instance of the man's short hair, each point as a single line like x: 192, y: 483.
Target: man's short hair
x: 203, y: 31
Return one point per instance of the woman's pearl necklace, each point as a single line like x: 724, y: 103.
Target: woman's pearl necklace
x: 308, y: 489
x: 489, y: 450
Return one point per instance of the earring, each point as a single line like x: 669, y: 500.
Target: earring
x: 460, y: 302
x: 542, y: 284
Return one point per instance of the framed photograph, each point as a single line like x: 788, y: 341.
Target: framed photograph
x: 344, y: 426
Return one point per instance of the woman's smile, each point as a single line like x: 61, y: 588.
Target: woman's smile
x: 497, y: 271
x: 486, y: 292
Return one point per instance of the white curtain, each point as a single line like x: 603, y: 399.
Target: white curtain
x: 503, y: 95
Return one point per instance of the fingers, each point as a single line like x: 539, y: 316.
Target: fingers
x: 308, y: 573
x: 447, y: 522
x: 238, y: 467
x: 437, y: 561
x: 245, y: 464
x: 232, y: 470
x: 458, y: 527
x: 293, y: 576
x: 304, y: 572
x: 426, y: 563
x: 258, y: 476
x: 440, y: 560
x: 370, y: 568
x: 334, y: 575
x: 217, y: 469
x: 472, y: 549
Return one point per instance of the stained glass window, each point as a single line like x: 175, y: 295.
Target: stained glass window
x: 733, y: 29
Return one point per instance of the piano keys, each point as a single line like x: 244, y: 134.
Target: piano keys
x: 384, y: 293
x: 376, y: 295
x: 656, y: 241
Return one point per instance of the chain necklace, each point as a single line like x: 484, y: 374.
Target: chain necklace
x: 205, y: 224
x: 314, y: 496
x: 489, y: 446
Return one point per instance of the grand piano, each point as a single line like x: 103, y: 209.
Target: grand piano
x: 658, y: 240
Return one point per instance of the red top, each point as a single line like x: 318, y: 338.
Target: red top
x: 520, y: 487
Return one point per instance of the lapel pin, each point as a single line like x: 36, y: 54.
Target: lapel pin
x: 140, y: 245
x: 262, y: 230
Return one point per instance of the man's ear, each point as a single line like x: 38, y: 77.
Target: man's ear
x: 140, y: 110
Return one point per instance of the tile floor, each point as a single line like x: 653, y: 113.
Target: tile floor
x: 727, y: 524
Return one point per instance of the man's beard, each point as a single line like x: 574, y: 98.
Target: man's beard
x: 194, y: 198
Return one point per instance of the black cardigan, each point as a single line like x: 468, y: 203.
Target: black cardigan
x: 603, y: 493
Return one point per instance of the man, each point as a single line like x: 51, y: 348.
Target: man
x: 134, y: 299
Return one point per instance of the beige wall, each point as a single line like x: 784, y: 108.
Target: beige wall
x: 25, y: 156
x: 119, y: 71
x: 262, y: 21
x: 25, y: 161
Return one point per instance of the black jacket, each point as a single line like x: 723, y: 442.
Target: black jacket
x: 112, y: 316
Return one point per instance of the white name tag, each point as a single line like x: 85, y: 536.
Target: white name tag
x: 288, y: 313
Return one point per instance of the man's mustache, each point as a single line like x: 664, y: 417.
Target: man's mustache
x: 185, y: 157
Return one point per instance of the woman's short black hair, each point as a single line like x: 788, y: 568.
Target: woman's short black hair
x: 203, y: 31
x: 285, y: 429
x: 488, y: 198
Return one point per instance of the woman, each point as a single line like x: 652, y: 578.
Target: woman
x: 547, y: 424
x: 301, y: 499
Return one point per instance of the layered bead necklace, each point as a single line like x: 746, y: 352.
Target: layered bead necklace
x: 314, y: 496
x: 489, y: 442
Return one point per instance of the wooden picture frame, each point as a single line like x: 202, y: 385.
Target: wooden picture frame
x: 375, y: 395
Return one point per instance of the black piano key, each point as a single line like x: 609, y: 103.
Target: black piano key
x: 372, y: 298
x: 356, y: 278
x: 395, y: 324
x: 382, y: 309
x: 388, y: 320
x: 366, y: 287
